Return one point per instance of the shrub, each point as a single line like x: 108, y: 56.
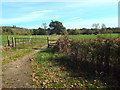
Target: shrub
x: 103, y: 53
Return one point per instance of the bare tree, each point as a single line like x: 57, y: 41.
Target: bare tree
x: 103, y: 26
x: 44, y: 25
x: 96, y: 25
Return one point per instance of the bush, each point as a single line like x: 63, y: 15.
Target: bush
x: 103, y: 53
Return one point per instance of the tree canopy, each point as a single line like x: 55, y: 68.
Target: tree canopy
x: 57, y: 27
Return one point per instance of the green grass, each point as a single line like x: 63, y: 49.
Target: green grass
x: 19, y: 51
x: 4, y: 37
x: 14, y: 53
x: 49, y: 73
x: 94, y: 36
x: 16, y: 56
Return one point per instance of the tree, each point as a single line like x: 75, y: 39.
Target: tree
x: 103, y: 28
x: 44, y: 26
x: 96, y: 25
x: 76, y: 32
x: 41, y: 31
x: 14, y: 26
x: 57, y: 27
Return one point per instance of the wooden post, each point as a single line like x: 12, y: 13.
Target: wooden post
x: 23, y: 40
x: 30, y: 38
x: 18, y: 39
x: 8, y: 39
x: 13, y: 42
x: 48, y: 42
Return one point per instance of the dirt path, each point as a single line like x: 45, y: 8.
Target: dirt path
x: 17, y: 74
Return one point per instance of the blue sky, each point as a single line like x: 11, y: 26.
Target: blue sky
x: 80, y: 14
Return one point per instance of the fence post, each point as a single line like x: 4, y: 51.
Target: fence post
x: 13, y: 42
x: 30, y: 38
x: 48, y: 42
x: 19, y: 39
x: 8, y: 39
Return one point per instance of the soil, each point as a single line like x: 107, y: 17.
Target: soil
x: 18, y: 74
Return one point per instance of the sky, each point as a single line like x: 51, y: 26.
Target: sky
x: 77, y: 14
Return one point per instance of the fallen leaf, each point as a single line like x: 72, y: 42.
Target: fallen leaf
x: 17, y: 66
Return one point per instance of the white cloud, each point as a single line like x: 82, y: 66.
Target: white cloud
x: 59, y: 0
x: 44, y: 11
x: 80, y: 23
x: 30, y: 17
x: 75, y: 18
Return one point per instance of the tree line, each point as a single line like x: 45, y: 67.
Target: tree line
x: 56, y: 27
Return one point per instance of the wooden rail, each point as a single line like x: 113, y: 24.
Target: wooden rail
x: 50, y: 44
x: 16, y: 41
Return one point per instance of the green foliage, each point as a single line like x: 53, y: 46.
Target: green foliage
x: 57, y: 27
x: 39, y: 31
x: 83, y: 31
x: 6, y: 30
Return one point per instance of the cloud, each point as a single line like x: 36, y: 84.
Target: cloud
x: 44, y: 11
x: 74, y: 18
x: 26, y: 18
x: 87, y: 23
x: 59, y: 0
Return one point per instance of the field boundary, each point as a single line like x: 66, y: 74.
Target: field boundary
x: 15, y: 41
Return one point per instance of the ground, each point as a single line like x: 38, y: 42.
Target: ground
x: 18, y: 74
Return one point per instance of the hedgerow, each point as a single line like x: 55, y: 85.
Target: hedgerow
x: 101, y: 54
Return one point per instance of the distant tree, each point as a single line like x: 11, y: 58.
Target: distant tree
x: 83, y: 29
x: 96, y: 25
x: 57, y: 27
x: 7, y: 31
x: 64, y: 32
x: 76, y: 32
x: 103, y: 28
x: 71, y: 32
x: 14, y: 26
x: 41, y: 31
x: 109, y: 28
x: 44, y: 26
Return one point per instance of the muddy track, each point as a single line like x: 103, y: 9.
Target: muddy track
x: 18, y: 74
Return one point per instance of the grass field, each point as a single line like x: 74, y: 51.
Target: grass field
x: 14, y: 53
x: 94, y: 36
x: 4, y: 37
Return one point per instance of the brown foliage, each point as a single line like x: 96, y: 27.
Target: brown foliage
x: 103, y: 53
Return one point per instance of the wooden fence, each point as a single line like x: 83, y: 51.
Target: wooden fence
x: 15, y: 41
